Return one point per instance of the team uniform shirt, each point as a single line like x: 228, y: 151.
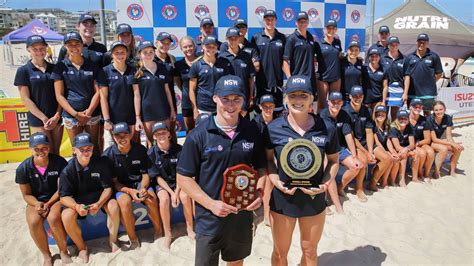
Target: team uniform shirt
x: 207, y: 77
x: 260, y: 122
x: 85, y: 184
x: 324, y: 136
x: 169, y: 65
x: 360, y: 121
x: 373, y: 89
x: 182, y: 70
x: 207, y: 153
x: 78, y: 84
x: 382, y: 50
x: 94, y: 52
x: 342, y: 123
x: 163, y: 163
x: 422, y: 72
x: 395, y: 69
x: 383, y: 136
x: 330, y: 53
x: 129, y: 168
x: 270, y: 76
x: 120, y: 96
x: 421, y: 125
x: 41, y: 88
x: 439, y: 129
x: 200, y: 51
x: 154, y: 100
x: 246, y: 47
x: 403, y: 137
x: 43, y: 186
x: 351, y: 75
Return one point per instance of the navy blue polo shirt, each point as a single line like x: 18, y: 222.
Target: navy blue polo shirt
x: 422, y: 72
x: 382, y: 135
x: 182, y: 70
x: 243, y: 67
x: 169, y: 65
x: 154, y: 102
x: 207, y: 77
x: 271, y: 52
x: 44, y: 186
x: 200, y: 51
x: 207, y: 153
x: 41, y: 88
x: 439, y: 129
x: 382, y: 50
x: 324, y: 136
x: 78, y: 83
x: 373, y: 89
x: 421, y: 125
x: 246, y: 48
x: 395, y: 69
x: 330, y: 53
x: 403, y: 137
x: 360, y: 121
x: 120, y: 97
x: 260, y: 122
x: 85, y: 184
x: 342, y: 123
x: 129, y: 168
x: 300, y: 53
x: 351, y: 75
x: 93, y: 52
x: 163, y: 164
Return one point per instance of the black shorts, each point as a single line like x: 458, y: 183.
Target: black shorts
x: 297, y: 205
x: 187, y: 112
x: 233, y: 242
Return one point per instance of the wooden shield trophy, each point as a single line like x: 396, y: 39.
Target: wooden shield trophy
x: 239, y: 188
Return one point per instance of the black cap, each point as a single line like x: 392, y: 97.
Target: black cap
x: 83, y: 139
x: 267, y: 98
x: 302, y: 15
x: 393, y: 39
x: 229, y: 85
x: 232, y: 32
x: 240, y: 21
x: 357, y: 90
x: 34, y: 39
x: 86, y: 17
x: 209, y: 40
x: 354, y: 43
x: 383, y: 29
x: 202, y: 117
x: 117, y: 44
x: 145, y: 44
x: 163, y: 36
x: 335, y: 95
x: 416, y: 101
x: 298, y: 83
x: 380, y: 108
x: 270, y: 13
x: 158, y: 125
x: 72, y: 36
x: 423, y: 37
x: 374, y: 51
x: 121, y: 127
x: 122, y: 28
x: 38, y: 138
x: 402, y: 114
x: 331, y: 23
x: 206, y: 21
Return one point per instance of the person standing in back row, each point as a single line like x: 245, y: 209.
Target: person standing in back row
x: 207, y: 30
x: 382, y: 43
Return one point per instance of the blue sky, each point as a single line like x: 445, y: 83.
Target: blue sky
x: 461, y: 9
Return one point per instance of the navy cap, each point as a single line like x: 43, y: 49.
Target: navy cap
x: 354, y: 43
x: 232, y: 32
x: 83, y: 139
x: 384, y: 29
x: 302, y: 15
x: 72, y: 36
x: 332, y: 23
x: 416, y: 101
x: 357, y: 90
x: 380, y: 108
x: 374, y: 51
x: 34, y: 39
x: 158, y: 125
x: 423, y: 37
x: 202, y: 117
x: 117, y: 44
x: 206, y: 21
x: 122, y: 28
x: 402, y: 114
x: 163, y: 36
x: 335, y: 95
x: 229, y: 85
x: 270, y: 13
x: 298, y: 83
x: 145, y: 44
x: 121, y: 127
x: 38, y: 138
x: 267, y: 98
x: 86, y: 17
x: 240, y: 21
x: 393, y: 39
x: 209, y: 40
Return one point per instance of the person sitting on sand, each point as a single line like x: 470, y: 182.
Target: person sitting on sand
x: 85, y: 187
x: 131, y: 180
x: 164, y: 157
x: 442, y: 138
x: 38, y: 177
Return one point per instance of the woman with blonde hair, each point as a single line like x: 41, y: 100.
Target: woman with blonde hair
x: 123, y: 34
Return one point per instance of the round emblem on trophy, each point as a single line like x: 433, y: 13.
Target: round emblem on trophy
x: 241, y: 182
x: 300, y: 158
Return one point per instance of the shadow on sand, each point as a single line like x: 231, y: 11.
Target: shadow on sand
x: 366, y: 255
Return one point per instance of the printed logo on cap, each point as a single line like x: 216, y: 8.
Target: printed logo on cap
x: 38, y: 137
x: 231, y: 82
x: 299, y: 81
x: 201, y: 11
x: 288, y: 13
x: 335, y: 14
x: 260, y: 11
x: 355, y: 16
x: 83, y: 138
x: 174, y: 42
x: 135, y: 11
x: 232, y: 12
x: 169, y: 12
x: 313, y: 14
x: 355, y: 37
x: 38, y: 30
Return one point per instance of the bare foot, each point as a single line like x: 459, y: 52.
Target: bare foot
x: 134, y: 244
x: 83, y: 256
x: 427, y: 180
x: 65, y: 258
x: 372, y: 187
x: 340, y: 210
x: 453, y: 172
x: 361, y: 196
x: 167, y: 243
x: 114, y: 246
x: 329, y: 212
x: 342, y: 193
x: 47, y: 260
x: 416, y: 180
x: 384, y: 185
x: 436, y: 174
x: 191, y: 233
x: 403, y: 184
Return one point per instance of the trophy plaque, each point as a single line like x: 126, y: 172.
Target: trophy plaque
x: 239, y: 188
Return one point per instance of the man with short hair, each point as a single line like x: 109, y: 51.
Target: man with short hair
x: 206, y: 28
x: 382, y: 43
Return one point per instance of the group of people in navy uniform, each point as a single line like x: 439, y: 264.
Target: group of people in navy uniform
x: 377, y: 114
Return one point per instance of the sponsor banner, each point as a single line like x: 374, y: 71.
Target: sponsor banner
x: 459, y: 101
